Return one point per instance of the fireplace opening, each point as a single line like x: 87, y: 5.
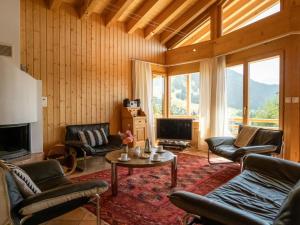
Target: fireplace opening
x: 14, y: 141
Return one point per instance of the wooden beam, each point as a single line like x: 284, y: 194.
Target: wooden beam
x: 53, y: 4
x: 116, y: 11
x: 140, y: 14
x: 201, y: 35
x: 187, y: 30
x: 198, y: 8
x: 255, y: 34
x: 216, y: 22
x: 169, y: 13
x: 87, y: 8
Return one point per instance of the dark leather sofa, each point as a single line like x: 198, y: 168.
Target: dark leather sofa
x: 267, y: 192
x: 80, y: 151
x: 265, y: 141
x: 59, y: 195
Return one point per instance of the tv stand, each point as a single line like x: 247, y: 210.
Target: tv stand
x: 173, y: 144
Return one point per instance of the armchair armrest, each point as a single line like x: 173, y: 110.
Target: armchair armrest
x: 204, y: 207
x: 43, y: 170
x: 60, y: 195
x: 216, y: 141
x: 115, y: 140
x: 274, y: 167
x: 259, y: 149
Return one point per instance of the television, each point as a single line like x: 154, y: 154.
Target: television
x: 174, y: 129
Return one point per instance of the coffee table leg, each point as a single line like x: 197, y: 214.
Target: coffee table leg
x: 114, y: 179
x: 130, y: 171
x: 174, y: 172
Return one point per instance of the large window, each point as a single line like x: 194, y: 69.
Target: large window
x: 184, y: 95
x: 264, y: 76
x: 253, y: 95
x: 158, y: 99
x: 234, y: 98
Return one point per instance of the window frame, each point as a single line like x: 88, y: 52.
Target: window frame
x: 158, y: 74
x: 189, y: 99
x: 246, y: 76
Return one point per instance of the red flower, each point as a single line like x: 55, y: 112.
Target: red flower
x: 126, y: 137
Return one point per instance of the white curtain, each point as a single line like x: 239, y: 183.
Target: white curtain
x: 218, y: 97
x: 205, y: 100
x: 142, y: 89
x: 212, y: 115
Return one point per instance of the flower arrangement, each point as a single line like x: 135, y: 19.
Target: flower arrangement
x: 126, y: 137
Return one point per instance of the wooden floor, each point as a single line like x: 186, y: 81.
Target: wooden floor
x: 81, y: 216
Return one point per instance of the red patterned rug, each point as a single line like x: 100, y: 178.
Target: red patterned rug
x: 142, y: 197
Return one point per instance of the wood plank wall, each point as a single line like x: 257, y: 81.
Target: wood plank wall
x: 84, y: 66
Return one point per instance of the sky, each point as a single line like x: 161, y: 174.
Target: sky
x: 264, y: 71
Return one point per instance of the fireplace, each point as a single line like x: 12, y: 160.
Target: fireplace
x: 14, y: 141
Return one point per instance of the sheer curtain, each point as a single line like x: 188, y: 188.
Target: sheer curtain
x: 142, y: 89
x: 218, y: 97
x: 212, y: 115
x: 205, y: 100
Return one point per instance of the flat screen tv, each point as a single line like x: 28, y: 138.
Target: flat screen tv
x: 174, y: 129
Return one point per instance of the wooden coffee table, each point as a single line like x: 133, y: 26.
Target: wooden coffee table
x: 166, y: 158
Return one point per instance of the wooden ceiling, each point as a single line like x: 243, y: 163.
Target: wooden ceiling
x: 177, y: 22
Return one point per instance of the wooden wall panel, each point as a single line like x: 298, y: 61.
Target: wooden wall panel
x: 84, y: 66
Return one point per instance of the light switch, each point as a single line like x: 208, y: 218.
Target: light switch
x: 288, y: 100
x: 44, y: 102
x: 295, y: 99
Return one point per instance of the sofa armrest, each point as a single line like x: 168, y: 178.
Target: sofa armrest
x: 43, y: 170
x: 79, y: 146
x: 204, y: 207
x: 61, y: 195
x: 274, y: 167
x: 216, y: 141
x: 115, y: 140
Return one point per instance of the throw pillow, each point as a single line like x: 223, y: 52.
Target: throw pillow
x: 92, y: 137
x: 105, y: 139
x: 98, y: 137
x: 26, y: 185
x: 245, y: 136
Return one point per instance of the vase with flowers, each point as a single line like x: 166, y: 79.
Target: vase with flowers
x: 127, y: 138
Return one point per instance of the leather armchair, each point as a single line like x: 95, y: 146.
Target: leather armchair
x: 59, y: 195
x: 266, y: 192
x: 265, y: 141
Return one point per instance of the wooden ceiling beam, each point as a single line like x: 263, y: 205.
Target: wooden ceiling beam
x: 139, y: 15
x: 169, y: 13
x: 201, y: 35
x: 188, y: 30
x: 87, y: 8
x: 53, y: 4
x: 116, y: 11
x: 198, y: 8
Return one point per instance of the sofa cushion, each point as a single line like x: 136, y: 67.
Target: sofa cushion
x: 228, y: 151
x: 254, y: 193
x: 24, y: 182
x: 289, y: 212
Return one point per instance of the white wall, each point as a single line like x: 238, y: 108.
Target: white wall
x: 10, y: 26
x: 18, y: 94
